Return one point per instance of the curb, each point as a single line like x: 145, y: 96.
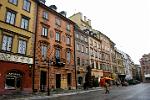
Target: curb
x: 57, y: 95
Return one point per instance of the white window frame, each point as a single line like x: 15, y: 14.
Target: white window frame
x: 44, y: 51
x: 68, y: 27
x: 24, y: 23
x: 22, y: 46
x: 13, y: 2
x: 57, y: 38
x: 10, y: 17
x: 7, y: 43
x: 45, y: 14
x: 44, y: 31
x: 68, y: 40
x: 26, y: 5
x: 68, y: 57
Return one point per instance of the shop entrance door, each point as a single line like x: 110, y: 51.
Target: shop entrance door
x: 58, y: 80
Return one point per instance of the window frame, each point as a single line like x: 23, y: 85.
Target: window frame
x: 12, y: 2
x: 68, y: 40
x: 58, y: 21
x: 19, y: 47
x: 7, y: 43
x: 27, y: 8
x: 45, y: 15
x: 58, y: 36
x: 68, y: 27
x: 68, y: 59
x: 57, y: 54
x: 6, y: 16
x: 25, y: 19
x: 44, y: 49
x: 44, y: 29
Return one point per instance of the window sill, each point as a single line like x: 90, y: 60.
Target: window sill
x: 44, y: 36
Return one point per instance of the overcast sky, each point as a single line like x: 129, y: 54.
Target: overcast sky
x: 125, y: 22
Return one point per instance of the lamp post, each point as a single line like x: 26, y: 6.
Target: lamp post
x: 48, y: 88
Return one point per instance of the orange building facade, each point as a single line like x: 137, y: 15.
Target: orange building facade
x: 54, y: 50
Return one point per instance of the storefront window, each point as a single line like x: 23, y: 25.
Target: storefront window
x: 13, y: 80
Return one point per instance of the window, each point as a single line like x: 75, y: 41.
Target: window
x: 25, y: 23
x: 82, y: 48
x: 58, y: 22
x: 77, y: 35
x: 7, y: 43
x: 44, y: 51
x: 45, y: 14
x: 68, y: 57
x: 78, y: 48
x: 57, y: 36
x: 86, y: 50
x: 82, y: 37
x: 26, y: 5
x: 68, y: 27
x: 96, y: 44
x: 13, y: 2
x: 83, y: 62
x: 10, y: 17
x: 91, y: 41
x: 22, y: 46
x: 57, y: 53
x: 13, y: 80
x: 78, y: 61
x: 68, y: 42
x: 44, y: 31
x: 86, y: 39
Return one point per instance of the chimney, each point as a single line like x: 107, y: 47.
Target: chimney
x: 53, y: 7
x: 42, y: 1
x: 63, y: 13
x: 85, y: 18
x: 89, y: 22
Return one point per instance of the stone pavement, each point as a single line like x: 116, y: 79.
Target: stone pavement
x: 44, y: 95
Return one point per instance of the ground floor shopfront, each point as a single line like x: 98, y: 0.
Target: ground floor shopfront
x: 15, y: 77
x: 59, y: 78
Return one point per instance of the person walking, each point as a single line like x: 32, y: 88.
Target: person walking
x: 106, y: 88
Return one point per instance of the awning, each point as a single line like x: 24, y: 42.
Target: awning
x: 147, y: 75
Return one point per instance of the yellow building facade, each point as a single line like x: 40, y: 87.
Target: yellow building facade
x: 17, y: 28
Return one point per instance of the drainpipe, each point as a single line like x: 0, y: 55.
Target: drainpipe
x: 33, y: 78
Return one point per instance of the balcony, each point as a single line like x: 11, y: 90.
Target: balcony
x: 60, y: 62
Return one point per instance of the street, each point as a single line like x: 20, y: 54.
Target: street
x: 133, y: 92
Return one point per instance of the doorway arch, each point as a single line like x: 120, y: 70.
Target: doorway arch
x: 13, y: 79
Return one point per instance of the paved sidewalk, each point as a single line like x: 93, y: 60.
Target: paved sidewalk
x: 44, y: 95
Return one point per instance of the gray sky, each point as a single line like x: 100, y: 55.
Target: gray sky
x: 125, y: 22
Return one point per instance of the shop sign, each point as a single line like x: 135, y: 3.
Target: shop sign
x: 16, y: 58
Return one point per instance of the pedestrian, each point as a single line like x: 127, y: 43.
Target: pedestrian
x: 106, y: 87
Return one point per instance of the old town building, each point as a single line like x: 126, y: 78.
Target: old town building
x: 54, y: 50
x: 94, y: 43
x: 120, y: 65
x: 81, y: 54
x: 17, y: 24
x: 106, y: 55
x: 113, y: 60
x: 145, y: 66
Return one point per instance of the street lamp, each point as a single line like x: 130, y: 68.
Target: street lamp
x: 48, y: 88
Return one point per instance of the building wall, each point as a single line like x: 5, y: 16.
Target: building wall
x: 81, y: 44
x: 12, y: 60
x: 145, y: 66
x: 41, y: 63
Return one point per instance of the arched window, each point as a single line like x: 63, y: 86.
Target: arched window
x: 13, y: 80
